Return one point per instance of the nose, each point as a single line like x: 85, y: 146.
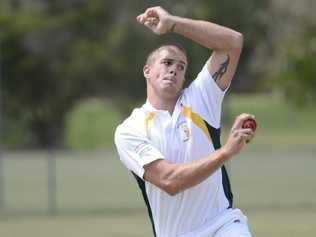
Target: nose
x: 173, y: 71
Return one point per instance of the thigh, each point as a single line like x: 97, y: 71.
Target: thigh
x: 237, y: 228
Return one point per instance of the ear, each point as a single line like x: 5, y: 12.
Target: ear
x: 146, y: 71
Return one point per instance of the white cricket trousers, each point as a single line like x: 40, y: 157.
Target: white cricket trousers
x: 230, y: 223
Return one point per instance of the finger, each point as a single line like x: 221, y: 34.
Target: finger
x: 245, y: 138
x: 239, y: 136
x: 240, y: 119
x: 248, y: 131
x: 140, y: 18
x: 152, y: 20
x: 251, y: 137
x: 241, y: 133
x: 150, y: 25
x: 151, y: 12
x: 245, y: 116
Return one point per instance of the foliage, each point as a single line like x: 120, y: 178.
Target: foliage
x: 297, y: 75
x: 52, y: 57
x: 285, y: 56
x: 90, y: 125
x: 54, y: 53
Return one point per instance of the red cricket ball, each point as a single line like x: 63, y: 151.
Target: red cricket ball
x: 250, y: 123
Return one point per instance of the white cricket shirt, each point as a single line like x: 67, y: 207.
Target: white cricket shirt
x: 190, y: 133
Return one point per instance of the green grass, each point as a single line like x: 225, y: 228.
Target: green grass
x: 97, y: 196
x: 290, y: 223
x: 273, y: 180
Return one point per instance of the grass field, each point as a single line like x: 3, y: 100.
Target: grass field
x: 273, y: 179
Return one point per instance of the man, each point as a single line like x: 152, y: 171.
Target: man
x: 171, y: 144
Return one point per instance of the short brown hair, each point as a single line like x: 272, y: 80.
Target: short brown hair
x: 152, y: 56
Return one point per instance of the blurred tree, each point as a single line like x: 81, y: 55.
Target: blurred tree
x: 52, y: 56
x: 246, y: 17
x: 86, y: 127
x: 284, y: 59
x: 297, y: 75
x: 56, y: 52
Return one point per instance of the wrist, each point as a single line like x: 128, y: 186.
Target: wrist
x: 225, y: 153
x: 173, y: 22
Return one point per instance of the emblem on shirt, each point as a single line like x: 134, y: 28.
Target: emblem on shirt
x: 142, y: 149
x: 184, y: 132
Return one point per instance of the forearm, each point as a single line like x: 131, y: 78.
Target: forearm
x: 209, y: 35
x: 174, y: 178
x: 187, y: 175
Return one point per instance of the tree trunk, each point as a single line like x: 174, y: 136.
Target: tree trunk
x: 48, y: 134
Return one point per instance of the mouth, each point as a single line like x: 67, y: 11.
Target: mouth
x: 169, y: 79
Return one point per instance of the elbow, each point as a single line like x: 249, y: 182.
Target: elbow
x: 171, y: 188
x: 237, y: 41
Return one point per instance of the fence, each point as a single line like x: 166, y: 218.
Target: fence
x: 60, y: 182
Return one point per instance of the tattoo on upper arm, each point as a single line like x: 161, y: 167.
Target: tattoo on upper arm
x: 222, y: 69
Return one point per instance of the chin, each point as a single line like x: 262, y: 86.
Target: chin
x: 171, y: 94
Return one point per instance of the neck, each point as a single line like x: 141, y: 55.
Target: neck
x: 163, y: 104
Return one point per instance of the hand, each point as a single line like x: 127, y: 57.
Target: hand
x: 238, y: 136
x: 157, y: 19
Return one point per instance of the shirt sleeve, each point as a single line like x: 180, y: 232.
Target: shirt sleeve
x: 206, y: 97
x: 135, y: 150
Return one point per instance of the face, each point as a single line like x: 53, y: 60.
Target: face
x: 166, y: 76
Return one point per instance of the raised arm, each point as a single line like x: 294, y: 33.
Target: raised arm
x: 225, y: 43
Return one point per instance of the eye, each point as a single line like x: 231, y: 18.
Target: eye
x: 166, y: 62
x: 180, y: 67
